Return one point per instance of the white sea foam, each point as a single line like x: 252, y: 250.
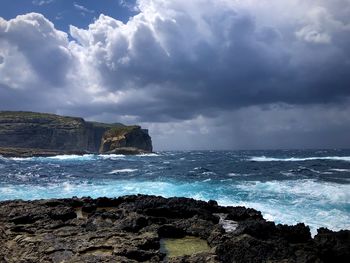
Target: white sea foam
x: 292, y: 214
x: 296, y: 159
x: 318, y: 204
x: 68, y: 187
x: 21, y: 158
x: 111, y: 156
x: 340, y: 170
x: 209, y: 173
x: 228, y: 225
x: 56, y: 157
x: 147, y: 155
x: 237, y: 175
x: 206, y: 180
x: 287, y: 173
x: 123, y: 171
x: 309, y: 189
x: 319, y: 172
x: 67, y: 157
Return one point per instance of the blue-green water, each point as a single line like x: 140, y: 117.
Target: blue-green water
x: 287, y: 186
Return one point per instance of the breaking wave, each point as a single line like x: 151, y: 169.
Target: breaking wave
x: 316, y: 193
x: 123, y: 171
x: 297, y: 159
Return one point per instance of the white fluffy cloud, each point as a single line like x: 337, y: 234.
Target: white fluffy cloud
x: 184, y: 63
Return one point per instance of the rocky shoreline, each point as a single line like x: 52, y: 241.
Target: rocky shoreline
x: 30, y: 152
x: 133, y: 229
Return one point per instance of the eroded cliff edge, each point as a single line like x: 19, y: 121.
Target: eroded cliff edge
x: 132, y: 229
x: 30, y: 133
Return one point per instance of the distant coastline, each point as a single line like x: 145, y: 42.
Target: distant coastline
x: 27, y: 134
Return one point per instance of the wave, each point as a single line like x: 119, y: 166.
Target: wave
x: 296, y: 159
x: 2, y: 158
x: 209, y: 173
x: 305, y: 189
x: 123, y: 171
x: 148, y: 155
x: 314, y: 217
x: 65, y: 157
x: 315, y: 203
x: 206, y: 180
x: 20, y: 158
x: 340, y: 170
x: 68, y: 157
x: 111, y: 156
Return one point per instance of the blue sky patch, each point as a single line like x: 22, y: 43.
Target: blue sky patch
x: 63, y: 13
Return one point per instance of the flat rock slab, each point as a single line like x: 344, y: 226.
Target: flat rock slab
x: 130, y: 229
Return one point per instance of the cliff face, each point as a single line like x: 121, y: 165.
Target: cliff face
x: 49, y: 131
x: 115, y: 140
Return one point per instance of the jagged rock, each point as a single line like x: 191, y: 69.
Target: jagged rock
x: 130, y: 229
x: 333, y: 246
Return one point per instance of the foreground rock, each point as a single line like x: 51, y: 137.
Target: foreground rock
x: 44, y: 134
x: 130, y: 229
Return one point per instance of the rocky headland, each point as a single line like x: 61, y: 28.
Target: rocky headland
x: 156, y: 229
x: 24, y: 134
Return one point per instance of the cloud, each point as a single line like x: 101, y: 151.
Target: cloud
x: 42, y: 2
x: 83, y: 8
x: 180, y: 62
x: 129, y: 4
x: 220, y: 55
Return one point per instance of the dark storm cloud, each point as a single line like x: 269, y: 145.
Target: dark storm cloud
x: 188, y: 63
x: 231, y: 62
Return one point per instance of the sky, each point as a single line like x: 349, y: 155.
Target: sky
x: 199, y: 74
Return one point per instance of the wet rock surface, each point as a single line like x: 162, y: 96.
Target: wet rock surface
x: 130, y: 229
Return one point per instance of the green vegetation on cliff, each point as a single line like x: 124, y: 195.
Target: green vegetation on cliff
x: 27, y: 116
x: 120, y: 130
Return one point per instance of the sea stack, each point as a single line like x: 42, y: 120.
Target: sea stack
x: 126, y: 140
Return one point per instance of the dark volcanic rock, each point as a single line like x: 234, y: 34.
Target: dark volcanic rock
x: 333, y: 246
x: 40, y: 134
x: 129, y: 229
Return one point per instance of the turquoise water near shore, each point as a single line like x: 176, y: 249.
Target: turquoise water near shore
x: 287, y: 186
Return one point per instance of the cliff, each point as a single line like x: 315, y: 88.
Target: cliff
x: 155, y: 229
x: 118, y: 139
x: 30, y: 130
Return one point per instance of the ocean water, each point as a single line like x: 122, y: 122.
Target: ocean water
x: 286, y: 186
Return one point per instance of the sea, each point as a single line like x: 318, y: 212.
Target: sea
x: 287, y: 186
